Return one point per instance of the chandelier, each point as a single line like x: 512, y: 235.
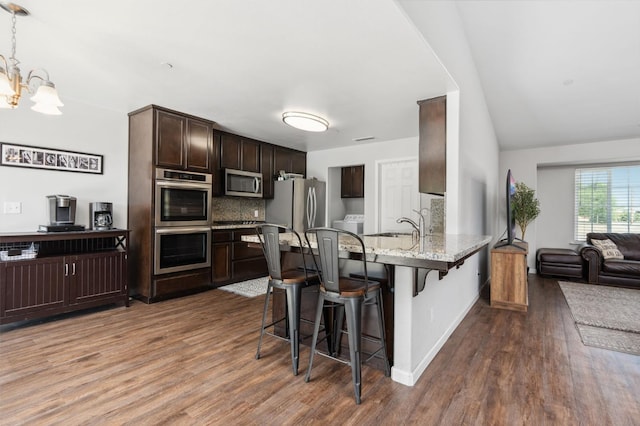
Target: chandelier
x: 11, y: 82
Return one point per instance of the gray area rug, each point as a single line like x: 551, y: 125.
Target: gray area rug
x: 606, y: 317
x: 249, y: 288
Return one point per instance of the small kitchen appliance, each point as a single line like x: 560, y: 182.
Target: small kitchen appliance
x: 101, y: 215
x: 62, y: 209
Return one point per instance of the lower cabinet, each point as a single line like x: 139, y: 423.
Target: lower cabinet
x: 234, y: 260
x: 90, y: 270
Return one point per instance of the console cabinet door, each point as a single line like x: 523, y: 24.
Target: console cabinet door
x: 96, y: 276
x: 28, y: 286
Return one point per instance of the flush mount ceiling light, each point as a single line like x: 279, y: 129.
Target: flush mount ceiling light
x: 304, y: 121
x: 11, y: 82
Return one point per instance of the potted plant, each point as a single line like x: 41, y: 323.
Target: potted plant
x: 526, y: 206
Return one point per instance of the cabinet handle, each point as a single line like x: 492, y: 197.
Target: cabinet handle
x: 66, y: 269
x: 73, y: 268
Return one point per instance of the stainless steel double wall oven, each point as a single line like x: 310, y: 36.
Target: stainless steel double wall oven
x: 182, y: 238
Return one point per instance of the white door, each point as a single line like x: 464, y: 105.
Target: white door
x: 398, y: 194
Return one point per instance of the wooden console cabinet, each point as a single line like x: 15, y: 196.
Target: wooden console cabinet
x: 509, y: 288
x: 72, y: 271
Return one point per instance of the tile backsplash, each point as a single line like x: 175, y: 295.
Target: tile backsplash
x: 234, y: 208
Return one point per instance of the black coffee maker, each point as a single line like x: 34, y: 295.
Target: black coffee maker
x: 101, y: 215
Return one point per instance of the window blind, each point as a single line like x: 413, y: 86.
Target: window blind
x: 607, y: 199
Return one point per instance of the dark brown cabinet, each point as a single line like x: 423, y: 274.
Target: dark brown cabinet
x: 433, y: 145
x: 239, y: 153
x: 352, y: 182
x: 73, y: 271
x: 183, y: 142
x: 266, y: 165
x: 234, y: 260
x: 289, y: 160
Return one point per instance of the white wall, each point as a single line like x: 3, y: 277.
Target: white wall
x: 81, y: 128
x: 319, y: 163
x: 524, y: 165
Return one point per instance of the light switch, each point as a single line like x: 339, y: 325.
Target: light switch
x: 12, y: 207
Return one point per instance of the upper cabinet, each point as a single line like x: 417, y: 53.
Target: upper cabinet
x: 268, y: 172
x: 239, y: 153
x: 352, y: 182
x: 433, y: 145
x: 289, y: 160
x: 183, y: 142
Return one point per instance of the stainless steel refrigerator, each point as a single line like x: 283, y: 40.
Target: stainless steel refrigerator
x: 297, y: 203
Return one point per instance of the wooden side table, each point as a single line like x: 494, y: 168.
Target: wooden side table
x: 509, y: 288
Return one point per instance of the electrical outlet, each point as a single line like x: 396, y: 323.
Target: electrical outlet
x: 256, y: 213
x: 12, y: 207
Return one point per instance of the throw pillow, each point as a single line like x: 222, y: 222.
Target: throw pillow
x: 608, y: 248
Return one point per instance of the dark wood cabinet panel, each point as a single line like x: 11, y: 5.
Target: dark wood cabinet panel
x: 221, y: 263
x: 433, y: 146
x: 299, y: 162
x: 230, y: 151
x: 250, y: 156
x: 199, y: 139
x: 266, y: 165
x: 217, y: 171
x: 96, y: 276
x: 352, y: 184
x: 170, y: 130
x: 289, y: 160
x: 182, y: 142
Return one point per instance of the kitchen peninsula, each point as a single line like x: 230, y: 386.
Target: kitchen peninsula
x: 410, y: 268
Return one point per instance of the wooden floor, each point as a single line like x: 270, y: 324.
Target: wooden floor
x: 191, y: 361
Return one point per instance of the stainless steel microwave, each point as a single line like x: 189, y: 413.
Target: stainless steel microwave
x: 239, y: 183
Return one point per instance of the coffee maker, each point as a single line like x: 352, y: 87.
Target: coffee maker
x: 101, y: 215
x: 62, y: 209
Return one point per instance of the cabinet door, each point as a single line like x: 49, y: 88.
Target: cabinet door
x: 250, y: 155
x: 433, y: 146
x: 28, y: 286
x: 199, y: 140
x: 357, y: 181
x: 281, y: 159
x: 170, y: 147
x: 267, y: 170
x: 96, y: 276
x: 221, y: 262
x: 230, y: 151
x: 216, y: 169
x: 345, y: 182
x: 299, y: 162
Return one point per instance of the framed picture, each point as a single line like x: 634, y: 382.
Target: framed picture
x: 50, y: 159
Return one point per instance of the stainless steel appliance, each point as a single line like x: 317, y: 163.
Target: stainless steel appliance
x: 351, y: 222
x: 101, y: 215
x: 181, y: 249
x: 62, y: 209
x: 182, y: 198
x: 297, y: 203
x: 242, y: 184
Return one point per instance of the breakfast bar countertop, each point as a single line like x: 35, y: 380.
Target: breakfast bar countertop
x: 441, y: 251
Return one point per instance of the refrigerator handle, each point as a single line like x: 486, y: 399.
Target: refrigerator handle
x: 315, y: 207
x: 309, y: 207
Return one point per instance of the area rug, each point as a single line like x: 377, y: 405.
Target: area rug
x: 249, y: 288
x: 606, y: 317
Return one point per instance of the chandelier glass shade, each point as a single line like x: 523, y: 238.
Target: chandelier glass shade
x: 12, y: 84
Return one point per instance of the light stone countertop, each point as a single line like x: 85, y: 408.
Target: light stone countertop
x: 440, y: 250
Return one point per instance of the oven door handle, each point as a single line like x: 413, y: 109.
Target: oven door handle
x: 187, y: 185
x: 181, y: 229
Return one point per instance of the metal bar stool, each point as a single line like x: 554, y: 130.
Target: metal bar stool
x: 292, y: 281
x: 349, y: 295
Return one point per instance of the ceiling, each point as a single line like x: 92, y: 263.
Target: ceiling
x: 553, y: 72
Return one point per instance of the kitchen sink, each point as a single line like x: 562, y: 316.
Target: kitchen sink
x: 390, y: 234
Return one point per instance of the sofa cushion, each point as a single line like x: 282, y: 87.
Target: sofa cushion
x: 621, y: 267
x: 608, y: 249
x: 628, y: 244
x: 559, y: 255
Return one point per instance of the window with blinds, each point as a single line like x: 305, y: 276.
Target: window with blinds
x: 607, y: 200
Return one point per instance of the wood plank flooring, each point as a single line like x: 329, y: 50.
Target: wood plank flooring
x: 191, y: 361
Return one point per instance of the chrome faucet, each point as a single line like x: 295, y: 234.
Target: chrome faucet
x: 418, y: 227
